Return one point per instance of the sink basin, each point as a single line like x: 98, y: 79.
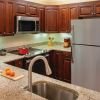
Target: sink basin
x: 53, y: 91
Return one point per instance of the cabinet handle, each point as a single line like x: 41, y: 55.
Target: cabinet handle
x: 92, y: 13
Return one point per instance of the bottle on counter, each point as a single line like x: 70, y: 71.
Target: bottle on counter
x: 66, y: 42
x: 50, y: 41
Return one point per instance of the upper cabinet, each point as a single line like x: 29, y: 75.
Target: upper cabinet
x: 51, y: 19
x: 10, y: 13
x: 73, y: 11
x: 63, y: 19
x: 85, y: 9
x: 32, y: 9
x: 97, y: 8
x: 6, y: 17
x: 26, y: 8
x: 21, y: 8
x: 41, y: 12
x: 89, y: 9
x: 2, y: 16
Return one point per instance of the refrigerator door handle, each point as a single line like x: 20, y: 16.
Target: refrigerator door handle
x: 72, y: 49
x: 72, y: 33
x: 72, y: 41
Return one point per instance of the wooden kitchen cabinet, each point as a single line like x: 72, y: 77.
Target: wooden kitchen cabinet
x: 32, y: 9
x: 51, y: 19
x: 2, y: 16
x: 67, y: 70
x: 10, y: 13
x: 89, y: 9
x: 73, y: 11
x: 97, y: 8
x: 17, y: 63
x: 85, y: 9
x: 41, y: 11
x: 63, y: 19
x: 60, y: 63
x: 21, y: 7
x: 6, y: 17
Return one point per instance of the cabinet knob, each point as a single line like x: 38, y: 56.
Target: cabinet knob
x: 92, y: 13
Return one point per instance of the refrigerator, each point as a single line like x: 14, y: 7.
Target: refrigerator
x: 85, y: 66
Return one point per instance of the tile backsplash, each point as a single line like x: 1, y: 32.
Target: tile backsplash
x: 24, y: 39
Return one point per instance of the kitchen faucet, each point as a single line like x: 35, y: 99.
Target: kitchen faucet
x: 47, y: 68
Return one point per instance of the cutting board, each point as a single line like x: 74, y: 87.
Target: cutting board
x: 16, y: 77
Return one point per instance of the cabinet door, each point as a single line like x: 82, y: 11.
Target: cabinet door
x: 51, y: 19
x: 9, y: 18
x: 97, y: 8
x: 21, y: 8
x: 85, y: 9
x: 63, y: 19
x: 17, y: 63
x: 73, y: 11
x: 59, y: 65
x: 52, y: 63
x: 2, y: 16
x: 67, y: 71
x: 32, y: 10
x: 42, y: 19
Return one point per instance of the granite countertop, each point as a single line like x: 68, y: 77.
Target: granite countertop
x: 55, y: 47
x: 10, y: 57
x: 13, y: 90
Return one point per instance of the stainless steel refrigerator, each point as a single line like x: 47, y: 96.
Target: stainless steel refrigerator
x: 85, y: 67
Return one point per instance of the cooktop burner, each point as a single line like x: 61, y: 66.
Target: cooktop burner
x: 32, y: 52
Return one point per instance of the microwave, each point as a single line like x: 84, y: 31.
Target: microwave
x: 27, y: 24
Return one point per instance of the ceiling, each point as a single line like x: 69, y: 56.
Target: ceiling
x: 57, y: 2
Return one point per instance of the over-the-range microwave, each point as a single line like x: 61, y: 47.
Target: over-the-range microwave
x: 27, y: 24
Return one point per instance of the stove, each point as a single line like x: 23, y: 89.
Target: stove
x: 32, y: 52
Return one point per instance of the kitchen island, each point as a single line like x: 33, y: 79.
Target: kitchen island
x: 14, y: 90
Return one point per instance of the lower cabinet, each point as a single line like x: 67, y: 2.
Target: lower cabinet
x: 17, y: 63
x: 67, y: 71
x: 60, y: 63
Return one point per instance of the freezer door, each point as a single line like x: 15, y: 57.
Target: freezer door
x: 86, y: 67
x: 86, y: 31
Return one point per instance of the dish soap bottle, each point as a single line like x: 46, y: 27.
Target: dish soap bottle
x: 50, y: 41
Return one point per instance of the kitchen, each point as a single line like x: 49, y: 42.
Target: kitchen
x: 55, y: 26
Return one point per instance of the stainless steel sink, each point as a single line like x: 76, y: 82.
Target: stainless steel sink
x: 53, y: 91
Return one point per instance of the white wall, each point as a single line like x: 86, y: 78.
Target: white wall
x: 56, y: 2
